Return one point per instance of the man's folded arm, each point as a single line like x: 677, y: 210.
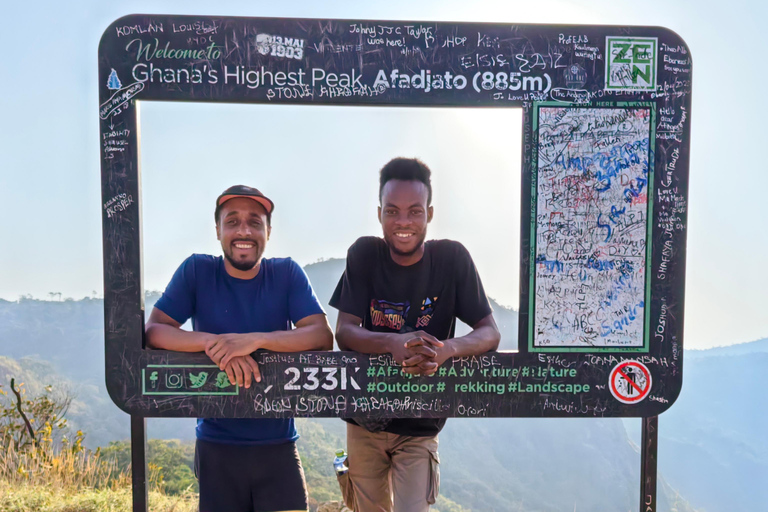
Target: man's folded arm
x: 311, y: 333
x: 484, y: 337
x: 351, y: 335
x: 231, y: 351
x: 408, y: 349
x: 164, y: 332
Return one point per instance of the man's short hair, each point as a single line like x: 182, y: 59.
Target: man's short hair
x: 406, y: 169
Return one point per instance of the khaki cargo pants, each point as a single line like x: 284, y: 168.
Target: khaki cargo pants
x: 389, y: 472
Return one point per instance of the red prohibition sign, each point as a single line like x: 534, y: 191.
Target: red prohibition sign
x: 630, y: 382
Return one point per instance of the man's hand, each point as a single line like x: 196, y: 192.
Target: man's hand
x: 428, y: 367
x: 224, y: 347
x: 420, y: 350
x: 484, y: 337
x: 242, y: 370
x: 411, y: 344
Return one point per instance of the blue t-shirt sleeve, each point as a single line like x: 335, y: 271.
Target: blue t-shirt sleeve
x: 302, y: 301
x: 178, y: 299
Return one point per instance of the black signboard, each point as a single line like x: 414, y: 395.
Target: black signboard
x: 605, y: 142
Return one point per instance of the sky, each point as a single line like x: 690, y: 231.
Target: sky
x: 320, y: 168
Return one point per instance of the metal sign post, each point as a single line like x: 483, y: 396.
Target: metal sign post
x: 139, y: 469
x: 648, y: 460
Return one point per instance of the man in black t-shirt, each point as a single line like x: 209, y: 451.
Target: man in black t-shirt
x: 402, y: 295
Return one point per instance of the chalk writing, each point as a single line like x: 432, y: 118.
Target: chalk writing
x: 149, y: 28
x: 114, y: 141
x: 520, y: 62
x: 116, y: 103
x: 394, y: 35
x: 345, y: 91
x: 587, y: 52
x: 198, y: 27
x: 289, y: 92
x: 453, y: 41
x: 119, y: 203
x: 394, y: 405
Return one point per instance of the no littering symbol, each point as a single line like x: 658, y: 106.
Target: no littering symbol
x: 630, y: 382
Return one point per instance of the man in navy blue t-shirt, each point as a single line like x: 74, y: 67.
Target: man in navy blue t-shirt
x: 240, y: 303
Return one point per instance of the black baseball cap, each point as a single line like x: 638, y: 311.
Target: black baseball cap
x: 243, y: 191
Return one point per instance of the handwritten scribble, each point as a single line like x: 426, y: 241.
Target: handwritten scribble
x: 591, y: 226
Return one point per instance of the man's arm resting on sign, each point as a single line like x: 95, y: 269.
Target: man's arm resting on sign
x: 311, y: 333
x: 484, y: 337
x: 164, y: 332
x: 406, y: 348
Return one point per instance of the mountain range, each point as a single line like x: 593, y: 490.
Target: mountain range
x: 713, y: 455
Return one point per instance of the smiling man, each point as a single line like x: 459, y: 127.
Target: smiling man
x: 240, y: 303
x: 402, y: 295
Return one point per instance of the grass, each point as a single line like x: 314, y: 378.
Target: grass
x: 44, y: 476
x: 73, y: 479
x: 29, y: 497
x: 41, y: 470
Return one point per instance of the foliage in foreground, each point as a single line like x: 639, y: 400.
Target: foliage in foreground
x: 55, y: 498
x: 171, y: 463
x: 41, y: 469
x: 35, y: 448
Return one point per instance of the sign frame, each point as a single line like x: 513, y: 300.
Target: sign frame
x: 364, y: 62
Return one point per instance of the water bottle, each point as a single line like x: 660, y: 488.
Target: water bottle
x: 340, y: 462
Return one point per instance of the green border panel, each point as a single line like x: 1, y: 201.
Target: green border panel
x: 184, y: 393
x: 649, y: 226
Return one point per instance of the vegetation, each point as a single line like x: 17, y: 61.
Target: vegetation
x: 710, y: 442
x: 171, y: 461
x: 43, y: 468
x: 35, y: 448
x: 42, y: 498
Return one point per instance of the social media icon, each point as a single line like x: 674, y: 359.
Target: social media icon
x: 222, y: 381
x: 198, y: 380
x: 174, y: 380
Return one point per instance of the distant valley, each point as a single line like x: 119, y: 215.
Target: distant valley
x: 713, y: 453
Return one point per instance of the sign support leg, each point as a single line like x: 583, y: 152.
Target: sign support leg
x: 139, y: 463
x: 648, y: 459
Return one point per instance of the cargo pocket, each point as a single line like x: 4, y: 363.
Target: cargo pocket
x: 434, y: 477
x: 347, y: 491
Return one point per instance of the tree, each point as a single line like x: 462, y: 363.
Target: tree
x: 26, y: 423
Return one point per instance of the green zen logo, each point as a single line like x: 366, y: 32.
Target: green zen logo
x: 631, y: 63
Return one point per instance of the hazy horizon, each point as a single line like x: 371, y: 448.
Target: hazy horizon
x: 319, y: 164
